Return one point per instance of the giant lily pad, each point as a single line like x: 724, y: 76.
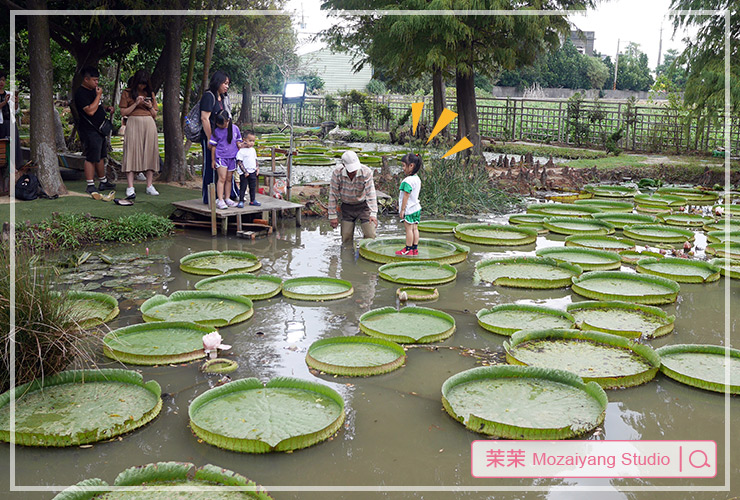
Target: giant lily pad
x: 156, y: 343
x: 619, y: 220
x: 246, y: 285
x: 658, y: 233
x: 495, y: 234
x: 409, y: 325
x: 693, y: 196
x: 722, y: 225
x: 417, y: 273
x: 507, y: 319
x: 722, y: 236
x: 437, y: 226
x: 355, y: 356
x: 384, y: 250
x: 155, y: 480
x: 680, y: 270
x: 79, y: 406
x: 214, y: 262
x: 662, y: 201
x: 314, y: 160
x: 721, y: 250
x: 417, y: 293
x: 730, y: 268
x: 689, y: 220
x: 571, y: 225
x: 518, y: 402
x: 625, y: 319
x: 202, y: 307
x: 528, y: 218
x: 629, y: 287
x: 605, y: 191
x: 561, y: 210
x: 527, y: 272
x: 607, y: 205
x: 318, y: 288
x: 609, y: 360
x: 631, y: 257
x: 588, y: 259
x: 88, y: 309
x: 609, y: 243
x: 701, y: 366
x: 283, y: 415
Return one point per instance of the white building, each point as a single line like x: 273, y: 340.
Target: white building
x: 335, y: 69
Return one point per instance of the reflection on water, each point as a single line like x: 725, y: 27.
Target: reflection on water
x: 396, y: 432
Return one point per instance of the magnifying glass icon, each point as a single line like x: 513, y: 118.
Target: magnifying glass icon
x: 699, y: 463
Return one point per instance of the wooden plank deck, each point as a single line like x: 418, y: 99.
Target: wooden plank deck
x: 269, y: 206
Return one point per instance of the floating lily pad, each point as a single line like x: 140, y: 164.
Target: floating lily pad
x: 139, y: 294
x: 721, y: 225
x: 609, y: 243
x: 619, y: 220
x: 561, y: 210
x: 283, y: 415
x: 632, y: 256
x: 662, y: 201
x: 689, y: 220
x: 568, y: 197
x: 314, y: 160
x: 157, y: 343
x: 79, y: 406
x: 731, y: 268
x: 701, y: 366
x: 88, y: 309
x: 658, y: 233
x: 680, y: 270
x: 219, y: 365
x: 528, y: 219
x: 625, y: 319
x: 409, y: 325
x: 605, y: 191
x: 312, y: 150
x: 417, y: 273
x: 418, y: 293
x: 694, y: 196
x: 611, y: 206
x: 729, y: 210
x: 355, y: 356
x: 721, y: 236
x: 588, y: 259
x: 437, y: 226
x: 247, y: 285
x: 541, y: 229
x: 629, y: 287
x: 507, y: 319
x: 653, y: 210
x: 214, y: 262
x: 202, y: 307
x: 527, y: 272
x: 317, y: 288
x: 384, y: 250
x: 571, y: 225
x: 495, y: 234
x: 609, y: 360
x: 85, y: 287
x: 720, y: 250
x: 519, y: 402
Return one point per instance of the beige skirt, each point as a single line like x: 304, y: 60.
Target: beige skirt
x: 140, y: 147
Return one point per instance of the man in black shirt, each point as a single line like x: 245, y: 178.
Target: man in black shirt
x: 91, y: 115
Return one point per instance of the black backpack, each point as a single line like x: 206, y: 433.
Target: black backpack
x: 27, y: 187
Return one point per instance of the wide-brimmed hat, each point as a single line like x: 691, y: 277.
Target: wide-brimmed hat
x: 350, y: 161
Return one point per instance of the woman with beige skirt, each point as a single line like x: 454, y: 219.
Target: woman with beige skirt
x: 140, y: 143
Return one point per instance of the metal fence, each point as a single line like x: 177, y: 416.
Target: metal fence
x: 658, y: 128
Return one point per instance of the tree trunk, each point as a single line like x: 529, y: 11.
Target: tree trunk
x: 117, y: 86
x: 158, y: 73
x: 211, y: 29
x: 439, y: 97
x: 245, y: 115
x: 466, y: 109
x: 191, y: 70
x: 43, y: 148
x: 59, y: 140
x: 175, y: 168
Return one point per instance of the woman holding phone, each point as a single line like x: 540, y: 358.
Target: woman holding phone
x: 140, y: 143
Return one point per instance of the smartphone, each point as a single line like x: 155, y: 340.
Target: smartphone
x: 147, y: 98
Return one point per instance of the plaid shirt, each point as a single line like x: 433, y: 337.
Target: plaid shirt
x: 357, y: 190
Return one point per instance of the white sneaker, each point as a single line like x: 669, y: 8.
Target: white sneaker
x: 230, y: 202
x: 152, y: 191
x: 130, y: 192
x: 220, y: 204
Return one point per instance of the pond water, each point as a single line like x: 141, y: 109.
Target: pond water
x: 396, y: 434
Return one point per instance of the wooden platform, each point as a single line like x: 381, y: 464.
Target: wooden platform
x: 269, y: 206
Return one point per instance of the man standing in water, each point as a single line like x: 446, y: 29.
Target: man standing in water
x: 352, y: 183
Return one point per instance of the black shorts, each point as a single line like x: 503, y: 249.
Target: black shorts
x: 94, y: 145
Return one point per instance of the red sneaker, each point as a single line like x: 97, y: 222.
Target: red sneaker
x: 403, y: 251
x: 414, y: 252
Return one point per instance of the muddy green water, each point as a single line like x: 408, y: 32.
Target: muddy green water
x: 396, y: 433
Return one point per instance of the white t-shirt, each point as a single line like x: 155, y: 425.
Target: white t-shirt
x: 248, y: 157
x: 411, y: 185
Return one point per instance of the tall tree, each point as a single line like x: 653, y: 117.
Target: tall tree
x: 174, y: 155
x: 633, y: 72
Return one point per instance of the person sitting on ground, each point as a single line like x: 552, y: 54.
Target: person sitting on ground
x: 91, y: 115
x: 246, y: 165
x: 353, y: 184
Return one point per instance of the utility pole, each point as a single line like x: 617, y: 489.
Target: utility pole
x: 660, y: 43
x: 616, y: 66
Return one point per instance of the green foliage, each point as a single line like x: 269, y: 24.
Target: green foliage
x: 577, y: 120
x: 671, y: 73
x: 633, y: 72
x: 331, y: 107
x: 376, y: 87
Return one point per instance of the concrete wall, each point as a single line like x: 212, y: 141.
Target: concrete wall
x: 566, y: 93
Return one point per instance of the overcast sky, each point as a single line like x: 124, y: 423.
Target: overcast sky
x: 636, y: 21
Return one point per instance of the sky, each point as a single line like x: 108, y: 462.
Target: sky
x: 636, y: 21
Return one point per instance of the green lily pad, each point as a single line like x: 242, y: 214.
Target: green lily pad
x: 528, y: 218
x: 495, y: 234
x: 283, y: 415
x: 689, y: 220
x: 722, y: 236
x: 625, y: 319
x: 384, y: 250
x: 214, y: 262
x: 85, y: 287
x: 609, y: 360
x: 658, y: 233
x: 312, y: 150
x: 701, y: 366
x: 694, y: 196
x: 202, y: 307
x: 437, y: 226
x: 219, y: 365
x: 417, y: 293
x: 619, y: 220
x: 527, y: 272
x: 680, y: 270
x: 314, y: 160
x: 519, y: 402
x: 507, y: 319
x: 628, y: 287
x: 609, y: 243
x: 417, y: 273
x: 611, y: 191
x: 89, y: 309
x: 721, y: 225
x: 571, y: 225
x: 607, y: 205
x: 246, y: 285
x: 79, y: 406
x: 652, y: 210
x: 562, y: 210
x: 355, y: 356
x: 720, y: 250
x: 662, y: 201
x: 588, y: 259
x: 409, y: 325
x: 317, y: 288
x: 729, y: 268
x: 157, y: 343
x: 731, y: 210
x: 139, y: 294
x: 632, y: 256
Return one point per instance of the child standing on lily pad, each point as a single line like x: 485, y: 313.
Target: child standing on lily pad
x: 408, y: 201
